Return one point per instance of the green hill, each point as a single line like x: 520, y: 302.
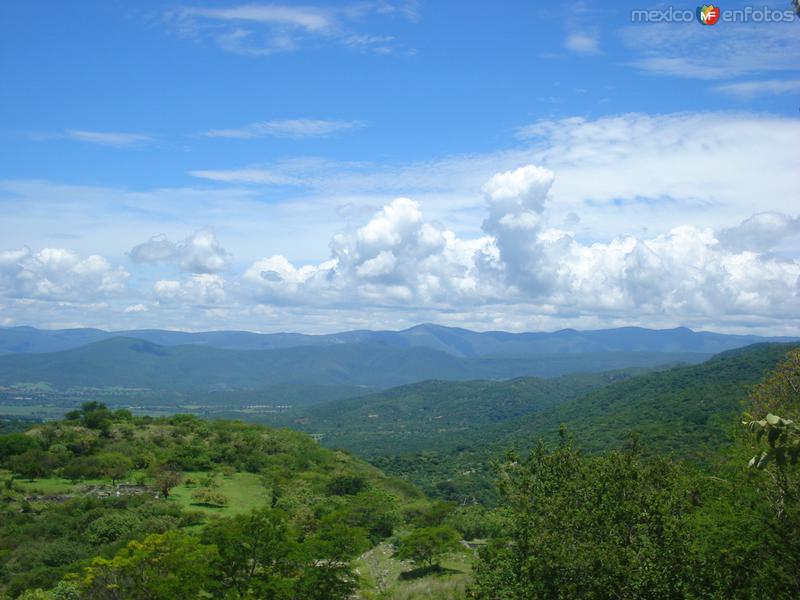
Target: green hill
x: 685, y: 411
x: 438, y: 415
x: 134, y: 363
x: 61, y: 506
x: 441, y: 435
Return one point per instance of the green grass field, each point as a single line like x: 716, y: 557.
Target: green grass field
x: 244, y: 491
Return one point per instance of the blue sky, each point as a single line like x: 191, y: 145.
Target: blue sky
x: 321, y: 166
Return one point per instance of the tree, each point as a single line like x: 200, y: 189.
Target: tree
x: 160, y: 567
x: 114, y: 465
x: 256, y: 552
x: 346, y: 485
x: 426, y: 546
x: 326, y: 556
x: 13, y: 444
x: 608, y: 526
x: 165, y: 477
x: 32, y: 463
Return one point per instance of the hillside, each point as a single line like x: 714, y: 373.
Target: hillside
x: 441, y: 435
x: 684, y: 412
x: 62, y: 506
x: 133, y: 363
x: 451, y: 340
x: 438, y: 415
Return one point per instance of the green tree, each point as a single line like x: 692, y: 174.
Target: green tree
x: 114, y: 465
x: 426, y: 546
x: 165, y: 477
x: 13, y: 444
x: 257, y: 552
x: 160, y: 567
x: 587, y: 527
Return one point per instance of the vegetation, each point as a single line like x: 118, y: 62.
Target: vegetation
x: 195, y: 485
x: 134, y: 363
x: 443, y: 435
x: 625, y: 526
x: 104, y: 504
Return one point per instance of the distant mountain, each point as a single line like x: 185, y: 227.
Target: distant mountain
x: 130, y: 362
x: 451, y: 340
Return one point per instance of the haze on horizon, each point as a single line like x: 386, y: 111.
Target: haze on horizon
x: 337, y: 166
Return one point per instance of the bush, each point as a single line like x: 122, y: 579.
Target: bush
x: 210, y: 497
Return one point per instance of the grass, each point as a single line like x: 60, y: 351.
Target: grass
x: 56, y: 485
x: 385, y: 577
x: 244, y: 491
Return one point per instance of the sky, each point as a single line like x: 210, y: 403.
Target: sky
x: 318, y: 167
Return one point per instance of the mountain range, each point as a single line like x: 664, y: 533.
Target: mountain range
x: 451, y: 340
x: 136, y: 363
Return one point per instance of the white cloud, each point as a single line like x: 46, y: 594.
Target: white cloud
x: 107, y: 138
x: 713, y: 53
x: 136, y: 308
x: 761, y: 232
x: 602, y: 244
x: 398, y: 259
x: 265, y: 29
x: 202, y: 289
x: 306, y: 17
x: 582, y: 43
x: 289, y: 128
x: 58, y: 274
x: 201, y: 252
x: 115, y: 139
x: 747, y: 90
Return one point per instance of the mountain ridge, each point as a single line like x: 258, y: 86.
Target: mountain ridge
x: 455, y: 341
x: 137, y: 363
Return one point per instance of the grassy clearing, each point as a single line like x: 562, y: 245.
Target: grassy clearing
x: 244, y: 491
x: 385, y: 577
x: 56, y: 485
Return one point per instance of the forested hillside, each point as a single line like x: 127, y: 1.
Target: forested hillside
x: 442, y: 435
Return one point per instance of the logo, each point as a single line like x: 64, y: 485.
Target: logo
x: 708, y: 14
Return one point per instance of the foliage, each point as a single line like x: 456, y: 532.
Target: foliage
x: 162, y: 566
x: 210, y: 497
x: 331, y: 505
x: 427, y: 545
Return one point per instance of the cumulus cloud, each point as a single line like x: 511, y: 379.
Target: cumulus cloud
x: 761, y: 232
x: 399, y: 259
x: 58, y: 274
x: 201, y: 252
